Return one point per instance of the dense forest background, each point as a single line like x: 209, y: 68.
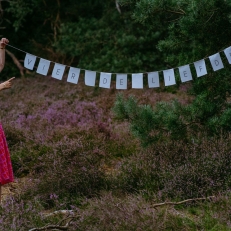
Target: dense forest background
x: 87, y: 34
x: 137, y: 36
x: 131, y: 37
x: 104, y: 159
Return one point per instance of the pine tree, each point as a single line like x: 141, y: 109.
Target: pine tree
x: 195, y: 30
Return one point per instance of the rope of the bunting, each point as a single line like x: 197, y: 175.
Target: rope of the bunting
x: 174, y: 68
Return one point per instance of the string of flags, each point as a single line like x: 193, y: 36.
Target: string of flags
x: 121, y: 78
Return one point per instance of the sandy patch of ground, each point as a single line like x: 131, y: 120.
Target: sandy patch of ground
x: 13, y: 188
x: 8, y: 190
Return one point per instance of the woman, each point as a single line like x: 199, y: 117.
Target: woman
x: 6, y: 172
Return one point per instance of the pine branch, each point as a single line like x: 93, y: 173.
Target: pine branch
x: 176, y: 12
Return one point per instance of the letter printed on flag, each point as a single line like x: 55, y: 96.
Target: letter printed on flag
x: 169, y: 77
x: 185, y: 73
x: 29, y: 61
x: 216, y: 62
x: 90, y: 77
x: 227, y: 52
x: 121, y: 81
x: 200, y: 68
x: 58, y: 71
x: 137, y: 81
x: 43, y: 66
x: 73, y: 75
x: 153, y: 79
x: 105, y: 80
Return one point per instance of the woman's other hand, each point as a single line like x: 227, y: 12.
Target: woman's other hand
x: 7, y: 84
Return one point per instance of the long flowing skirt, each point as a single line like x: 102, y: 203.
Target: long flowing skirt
x: 6, y: 171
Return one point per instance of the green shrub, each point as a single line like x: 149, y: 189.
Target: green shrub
x: 178, y: 170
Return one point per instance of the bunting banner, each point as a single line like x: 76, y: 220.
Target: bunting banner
x: 137, y: 81
x: 73, y: 75
x: 200, y: 68
x: 58, y: 71
x: 121, y: 81
x: 153, y: 79
x: 216, y: 62
x: 43, y: 66
x: 90, y: 78
x: 185, y: 73
x: 105, y: 80
x: 122, y: 78
x: 169, y: 77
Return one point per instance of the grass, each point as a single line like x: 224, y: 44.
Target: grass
x: 68, y: 152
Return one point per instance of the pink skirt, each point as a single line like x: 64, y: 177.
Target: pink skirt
x: 6, y: 171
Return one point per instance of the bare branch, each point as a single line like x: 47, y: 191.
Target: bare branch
x: 70, y: 216
x: 17, y: 63
x: 210, y: 17
x: 182, y: 202
x: 60, y: 212
x: 50, y: 227
x: 118, y: 6
x: 55, y: 227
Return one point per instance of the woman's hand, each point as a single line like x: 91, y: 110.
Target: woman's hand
x: 7, y: 84
x: 3, y: 43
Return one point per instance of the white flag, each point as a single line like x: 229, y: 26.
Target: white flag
x: 228, y: 54
x: 90, y: 77
x: 73, y: 75
x: 185, y: 73
x: 121, y: 81
x: 153, y: 79
x: 105, y: 80
x: 29, y: 61
x: 169, y: 77
x: 43, y: 66
x: 58, y: 71
x: 200, y: 68
x: 216, y: 62
x: 137, y: 80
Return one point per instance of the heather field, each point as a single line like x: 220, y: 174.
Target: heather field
x: 78, y: 168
